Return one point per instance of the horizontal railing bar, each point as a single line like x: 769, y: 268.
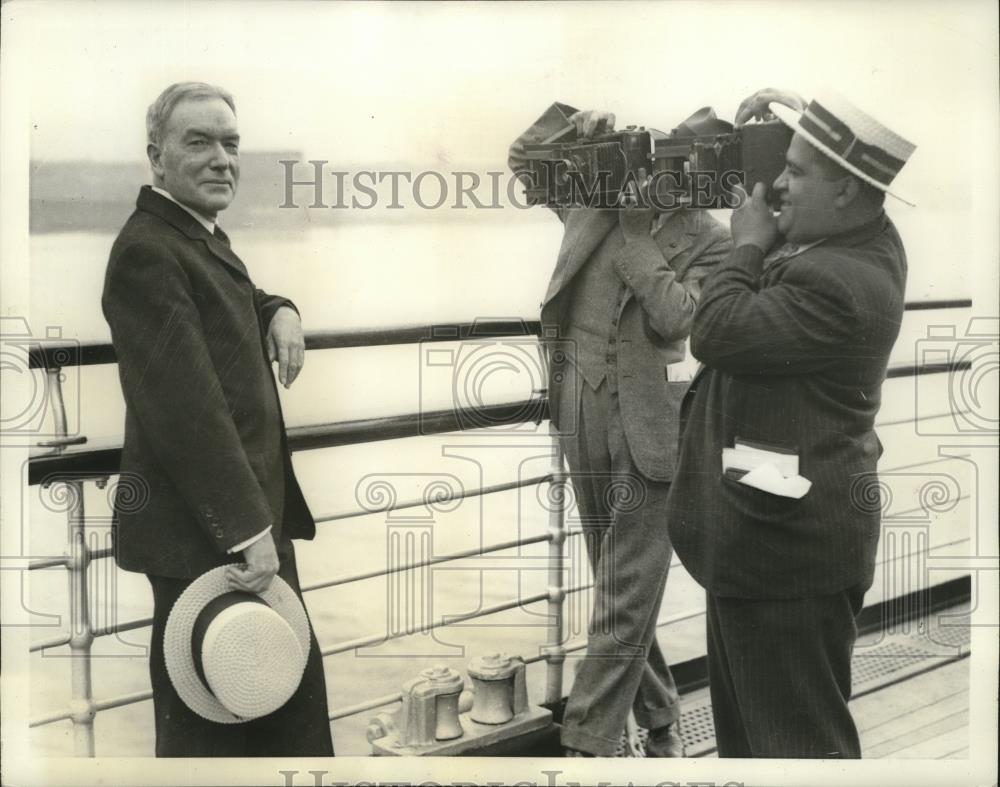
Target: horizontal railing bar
x: 99, y: 705
x: 141, y: 623
x: 125, y: 699
x: 927, y: 551
x: 43, y: 356
x: 580, y: 644
x: 573, y: 646
x: 118, y: 628
x: 421, y: 334
x: 441, y: 622
x: 958, y: 303
x: 394, y: 427
x: 361, y: 707
x: 900, y: 514
x: 101, y: 631
x: 912, y: 370
x: 56, y: 642
x: 478, y: 491
x: 384, y: 572
x: 925, y: 463
x: 105, y: 461
x: 880, y: 424
x: 41, y: 721
x: 49, y: 563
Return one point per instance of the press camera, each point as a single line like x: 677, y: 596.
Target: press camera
x: 686, y: 168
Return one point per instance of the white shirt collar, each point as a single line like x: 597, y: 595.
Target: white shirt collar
x: 208, y: 225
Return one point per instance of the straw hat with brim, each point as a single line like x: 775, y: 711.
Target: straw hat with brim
x: 235, y: 656
x: 851, y: 137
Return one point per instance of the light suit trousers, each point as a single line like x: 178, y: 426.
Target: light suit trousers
x: 625, y: 529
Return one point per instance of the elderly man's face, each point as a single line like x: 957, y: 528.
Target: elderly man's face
x: 197, y: 159
x: 807, y: 193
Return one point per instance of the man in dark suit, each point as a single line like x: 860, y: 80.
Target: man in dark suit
x: 619, y: 306
x: 794, y: 332
x: 203, y: 428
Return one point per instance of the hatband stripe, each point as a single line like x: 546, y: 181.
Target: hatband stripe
x: 837, y: 135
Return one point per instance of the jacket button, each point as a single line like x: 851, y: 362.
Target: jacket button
x: 218, y: 533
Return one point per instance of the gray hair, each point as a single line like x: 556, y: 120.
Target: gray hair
x: 159, y: 111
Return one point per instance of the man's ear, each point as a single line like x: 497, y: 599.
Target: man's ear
x: 847, y: 192
x: 155, y: 156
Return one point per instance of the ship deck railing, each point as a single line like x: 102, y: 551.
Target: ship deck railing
x: 69, y: 461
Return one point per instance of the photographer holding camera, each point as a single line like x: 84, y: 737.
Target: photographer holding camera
x: 622, y: 297
x: 774, y: 505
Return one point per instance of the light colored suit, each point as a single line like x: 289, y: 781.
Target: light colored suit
x: 615, y: 317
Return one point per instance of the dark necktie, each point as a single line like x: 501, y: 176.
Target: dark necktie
x: 221, y: 235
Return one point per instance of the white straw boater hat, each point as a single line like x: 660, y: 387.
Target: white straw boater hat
x: 235, y: 656
x: 851, y: 137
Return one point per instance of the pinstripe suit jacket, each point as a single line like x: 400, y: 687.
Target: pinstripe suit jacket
x: 794, y: 356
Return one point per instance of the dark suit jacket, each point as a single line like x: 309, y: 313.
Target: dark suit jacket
x: 794, y: 357
x: 203, y: 424
x: 663, y: 276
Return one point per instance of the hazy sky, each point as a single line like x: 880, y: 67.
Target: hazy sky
x: 369, y: 84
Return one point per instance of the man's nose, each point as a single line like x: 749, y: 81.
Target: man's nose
x: 780, y: 181
x: 220, y: 158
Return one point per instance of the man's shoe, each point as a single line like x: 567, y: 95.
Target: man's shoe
x: 568, y: 752
x: 665, y: 741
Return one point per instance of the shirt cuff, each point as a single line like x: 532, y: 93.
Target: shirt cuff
x: 252, y: 540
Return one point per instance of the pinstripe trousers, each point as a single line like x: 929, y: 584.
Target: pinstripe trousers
x: 780, y: 675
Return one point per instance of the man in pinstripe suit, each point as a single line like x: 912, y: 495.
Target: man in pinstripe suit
x: 794, y: 331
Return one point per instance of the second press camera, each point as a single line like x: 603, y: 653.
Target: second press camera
x: 698, y: 164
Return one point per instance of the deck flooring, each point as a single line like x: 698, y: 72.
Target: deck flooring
x: 911, y: 695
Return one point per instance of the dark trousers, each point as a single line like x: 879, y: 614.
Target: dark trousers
x: 780, y: 675
x: 625, y: 531
x: 300, y: 727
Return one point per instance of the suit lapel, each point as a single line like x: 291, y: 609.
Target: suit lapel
x: 585, y: 229
x: 177, y: 217
x: 226, y: 254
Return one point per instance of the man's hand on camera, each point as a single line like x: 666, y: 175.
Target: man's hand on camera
x: 637, y: 215
x: 590, y: 122
x: 286, y: 344
x: 755, y: 106
x: 255, y: 575
x: 753, y: 223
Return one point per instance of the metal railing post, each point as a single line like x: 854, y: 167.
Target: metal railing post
x: 81, y: 633
x: 554, y: 650
x: 54, y: 388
